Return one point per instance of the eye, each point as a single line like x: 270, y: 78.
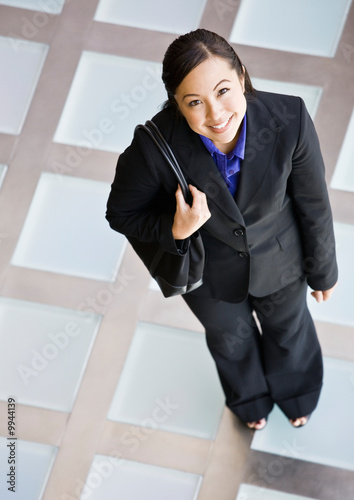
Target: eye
x: 194, y: 103
x: 223, y: 91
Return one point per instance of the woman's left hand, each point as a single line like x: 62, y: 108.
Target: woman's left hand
x: 320, y: 296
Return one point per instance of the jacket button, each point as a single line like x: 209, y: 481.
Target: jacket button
x: 238, y: 232
x: 243, y: 255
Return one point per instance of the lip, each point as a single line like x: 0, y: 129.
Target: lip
x: 223, y: 129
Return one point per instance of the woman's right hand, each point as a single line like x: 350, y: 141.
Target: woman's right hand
x: 189, y: 219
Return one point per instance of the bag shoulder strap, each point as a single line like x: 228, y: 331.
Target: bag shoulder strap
x: 153, y: 131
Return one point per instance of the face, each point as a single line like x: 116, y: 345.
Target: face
x: 211, y: 98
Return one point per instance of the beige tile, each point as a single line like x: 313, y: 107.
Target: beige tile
x: 227, y: 460
x: 172, y: 311
x: 157, y: 447
x: 36, y: 424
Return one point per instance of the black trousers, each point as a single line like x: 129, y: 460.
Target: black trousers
x: 274, y: 359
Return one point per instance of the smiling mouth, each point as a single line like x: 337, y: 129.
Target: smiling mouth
x: 221, y: 126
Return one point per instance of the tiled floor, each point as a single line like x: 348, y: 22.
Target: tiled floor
x: 117, y: 395
x: 84, y: 247
x: 44, y: 352
x: 108, y: 97
x: 167, y: 386
x: 21, y: 66
x: 3, y: 170
x: 314, y: 442
x: 248, y: 492
x: 160, y: 15
x: 36, y: 459
x: 336, y: 311
x: 343, y: 177
x: 309, y: 93
x: 133, y: 480
x: 48, y: 6
x: 306, y: 27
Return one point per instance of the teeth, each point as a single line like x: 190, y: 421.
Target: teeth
x: 222, y: 125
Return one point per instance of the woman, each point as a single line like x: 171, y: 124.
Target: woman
x: 260, y: 203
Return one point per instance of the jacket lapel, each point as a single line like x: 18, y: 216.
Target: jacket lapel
x: 261, y: 138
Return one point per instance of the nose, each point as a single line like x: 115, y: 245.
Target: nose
x: 214, y: 110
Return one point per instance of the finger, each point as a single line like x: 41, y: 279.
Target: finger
x: 327, y: 294
x: 199, y: 199
x: 199, y: 206
x: 323, y: 295
x: 194, y: 191
x: 317, y: 295
x: 180, y: 198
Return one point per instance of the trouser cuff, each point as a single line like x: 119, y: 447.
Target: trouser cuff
x: 254, y: 410
x: 300, y: 406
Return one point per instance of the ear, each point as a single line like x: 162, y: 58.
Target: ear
x: 242, y: 79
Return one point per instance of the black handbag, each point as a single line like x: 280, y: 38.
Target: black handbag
x: 175, y: 274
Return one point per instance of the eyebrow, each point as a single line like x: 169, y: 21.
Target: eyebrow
x: 216, y: 86
x: 221, y: 81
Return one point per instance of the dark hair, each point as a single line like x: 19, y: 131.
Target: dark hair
x: 188, y: 51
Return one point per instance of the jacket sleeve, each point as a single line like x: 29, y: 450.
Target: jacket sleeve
x: 138, y: 205
x: 308, y: 190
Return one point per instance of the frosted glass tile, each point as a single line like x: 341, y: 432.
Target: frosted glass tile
x: 319, y: 440
x: 33, y: 465
x: 48, y: 6
x: 111, y: 478
x: 305, y: 27
x: 109, y: 96
x: 343, y: 177
x: 44, y: 352
x: 21, y: 65
x: 169, y: 382
x: 3, y: 170
x: 309, y: 93
x: 66, y: 231
x: 161, y: 15
x: 339, y: 309
x: 248, y: 492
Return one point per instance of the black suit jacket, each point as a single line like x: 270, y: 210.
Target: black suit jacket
x: 277, y: 229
